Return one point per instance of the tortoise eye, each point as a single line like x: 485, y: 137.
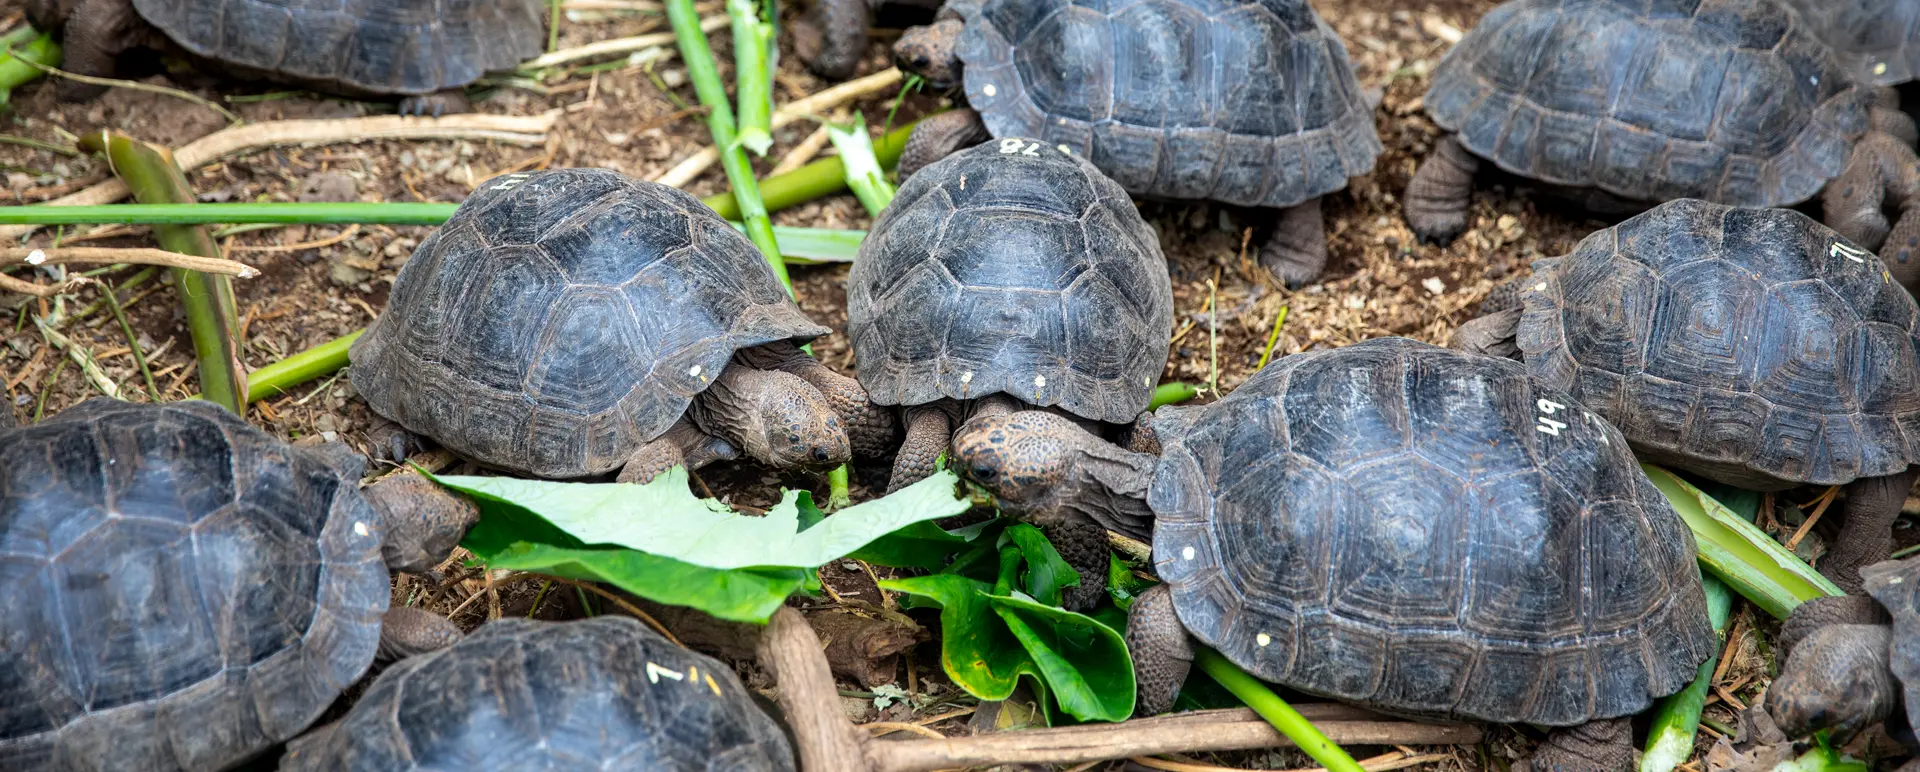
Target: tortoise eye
x: 983, y: 473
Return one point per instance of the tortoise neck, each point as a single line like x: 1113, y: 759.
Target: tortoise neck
x: 1108, y: 485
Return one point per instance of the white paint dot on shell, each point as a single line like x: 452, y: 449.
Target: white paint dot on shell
x: 1186, y: 553
x: 1039, y: 381
x: 1064, y: 150
x: 1879, y: 68
x: 695, y: 372
x: 1541, y: 287
x: 1263, y: 639
x: 360, y: 529
x: 989, y: 90
x: 1895, y: 580
x: 966, y: 377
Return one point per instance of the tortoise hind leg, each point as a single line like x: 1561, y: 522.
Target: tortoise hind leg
x: 1296, y: 253
x: 682, y: 445
x: 832, y: 37
x: 1596, y: 746
x: 1492, y: 335
x: 1866, y: 537
x: 1160, y: 650
x: 444, y: 102
x: 1437, y: 197
x: 97, y: 32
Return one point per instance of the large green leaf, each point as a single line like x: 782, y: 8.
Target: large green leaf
x: 977, y: 650
x: 662, y: 518
x: 1047, y: 573
x: 1084, y: 662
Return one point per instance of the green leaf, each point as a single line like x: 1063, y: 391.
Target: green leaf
x: 662, y: 518
x: 1084, y: 662
x: 1739, y: 553
x: 1046, y: 571
x: 1123, y: 585
x: 977, y: 650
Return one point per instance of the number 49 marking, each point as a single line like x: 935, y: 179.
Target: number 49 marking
x: 1547, y: 425
x: 1010, y: 146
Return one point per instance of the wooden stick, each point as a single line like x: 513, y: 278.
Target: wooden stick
x: 617, y: 46
x: 32, y: 289
x: 791, y: 652
x: 140, y: 255
x: 827, y: 99
x: 511, y: 129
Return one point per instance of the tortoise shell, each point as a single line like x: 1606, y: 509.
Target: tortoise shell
x: 1247, y: 102
x: 184, y: 590
x: 366, y: 46
x: 1880, y: 39
x: 601, y: 693
x: 1426, y: 532
x: 1012, y: 267
x: 1734, y: 101
x: 1752, y: 346
x: 562, y: 319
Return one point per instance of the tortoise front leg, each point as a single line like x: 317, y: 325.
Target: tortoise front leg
x: 1492, y: 335
x: 406, y: 631
x: 444, y: 102
x: 928, y: 430
x: 1082, y: 543
x: 1437, y: 197
x: 1161, y: 653
x: 1296, y: 253
x: 1866, y: 537
x: 97, y: 31
x: 682, y: 445
x: 939, y: 136
x: 1596, y: 746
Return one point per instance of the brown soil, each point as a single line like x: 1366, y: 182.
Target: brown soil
x: 1381, y: 282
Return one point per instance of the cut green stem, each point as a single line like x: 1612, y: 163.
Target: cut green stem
x: 821, y: 178
x: 312, y: 364
x: 212, y: 319
x: 1172, y: 393
x: 861, y: 166
x: 1275, y: 710
x: 752, y: 77
x: 1676, y: 719
x: 1739, y: 553
x: 14, y: 72
x: 1279, y: 321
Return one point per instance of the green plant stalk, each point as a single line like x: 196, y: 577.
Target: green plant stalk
x: 1171, y: 393
x: 212, y: 317
x: 14, y: 73
x: 1275, y: 710
x: 1739, y: 553
x: 752, y: 78
x: 706, y: 83
x: 861, y: 166
x: 821, y: 178
x: 553, y: 44
x: 801, y: 245
x: 314, y: 363
x: 1676, y: 719
x: 133, y: 341
x: 1279, y: 321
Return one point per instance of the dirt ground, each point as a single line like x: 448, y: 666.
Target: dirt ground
x: 319, y: 283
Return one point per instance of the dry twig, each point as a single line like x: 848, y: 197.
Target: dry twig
x: 137, y: 255
x: 662, y: 40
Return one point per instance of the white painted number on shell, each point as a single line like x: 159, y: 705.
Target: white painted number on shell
x: 654, y: 672
x: 1547, y: 425
x: 1847, y: 251
x: 1011, y: 146
x: 509, y: 182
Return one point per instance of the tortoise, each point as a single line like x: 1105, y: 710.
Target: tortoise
x: 1005, y: 275
x: 1879, y: 39
x: 1754, y: 347
x: 1245, y: 102
x: 422, y: 50
x: 570, y: 322
x: 187, y: 591
x: 600, y: 693
x: 1418, y: 530
x: 1850, y: 662
x: 1627, y: 103
x: 832, y: 37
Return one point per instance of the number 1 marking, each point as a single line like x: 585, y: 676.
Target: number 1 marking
x: 654, y: 672
x: 1847, y: 251
x: 509, y: 182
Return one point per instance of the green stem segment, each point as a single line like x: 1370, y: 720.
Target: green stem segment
x: 824, y: 177
x: 317, y: 362
x: 753, y: 79
x: 861, y: 166
x: 1676, y: 718
x: 1739, y: 553
x: 212, y: 318
x: 1275, y: 710
x: 706, y: 83
x: 1171, y: 393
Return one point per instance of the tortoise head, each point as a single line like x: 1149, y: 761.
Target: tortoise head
x: 423, y: 521
x: 1043, y: 467
x: 802, y: 429
x: 932, y: 52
